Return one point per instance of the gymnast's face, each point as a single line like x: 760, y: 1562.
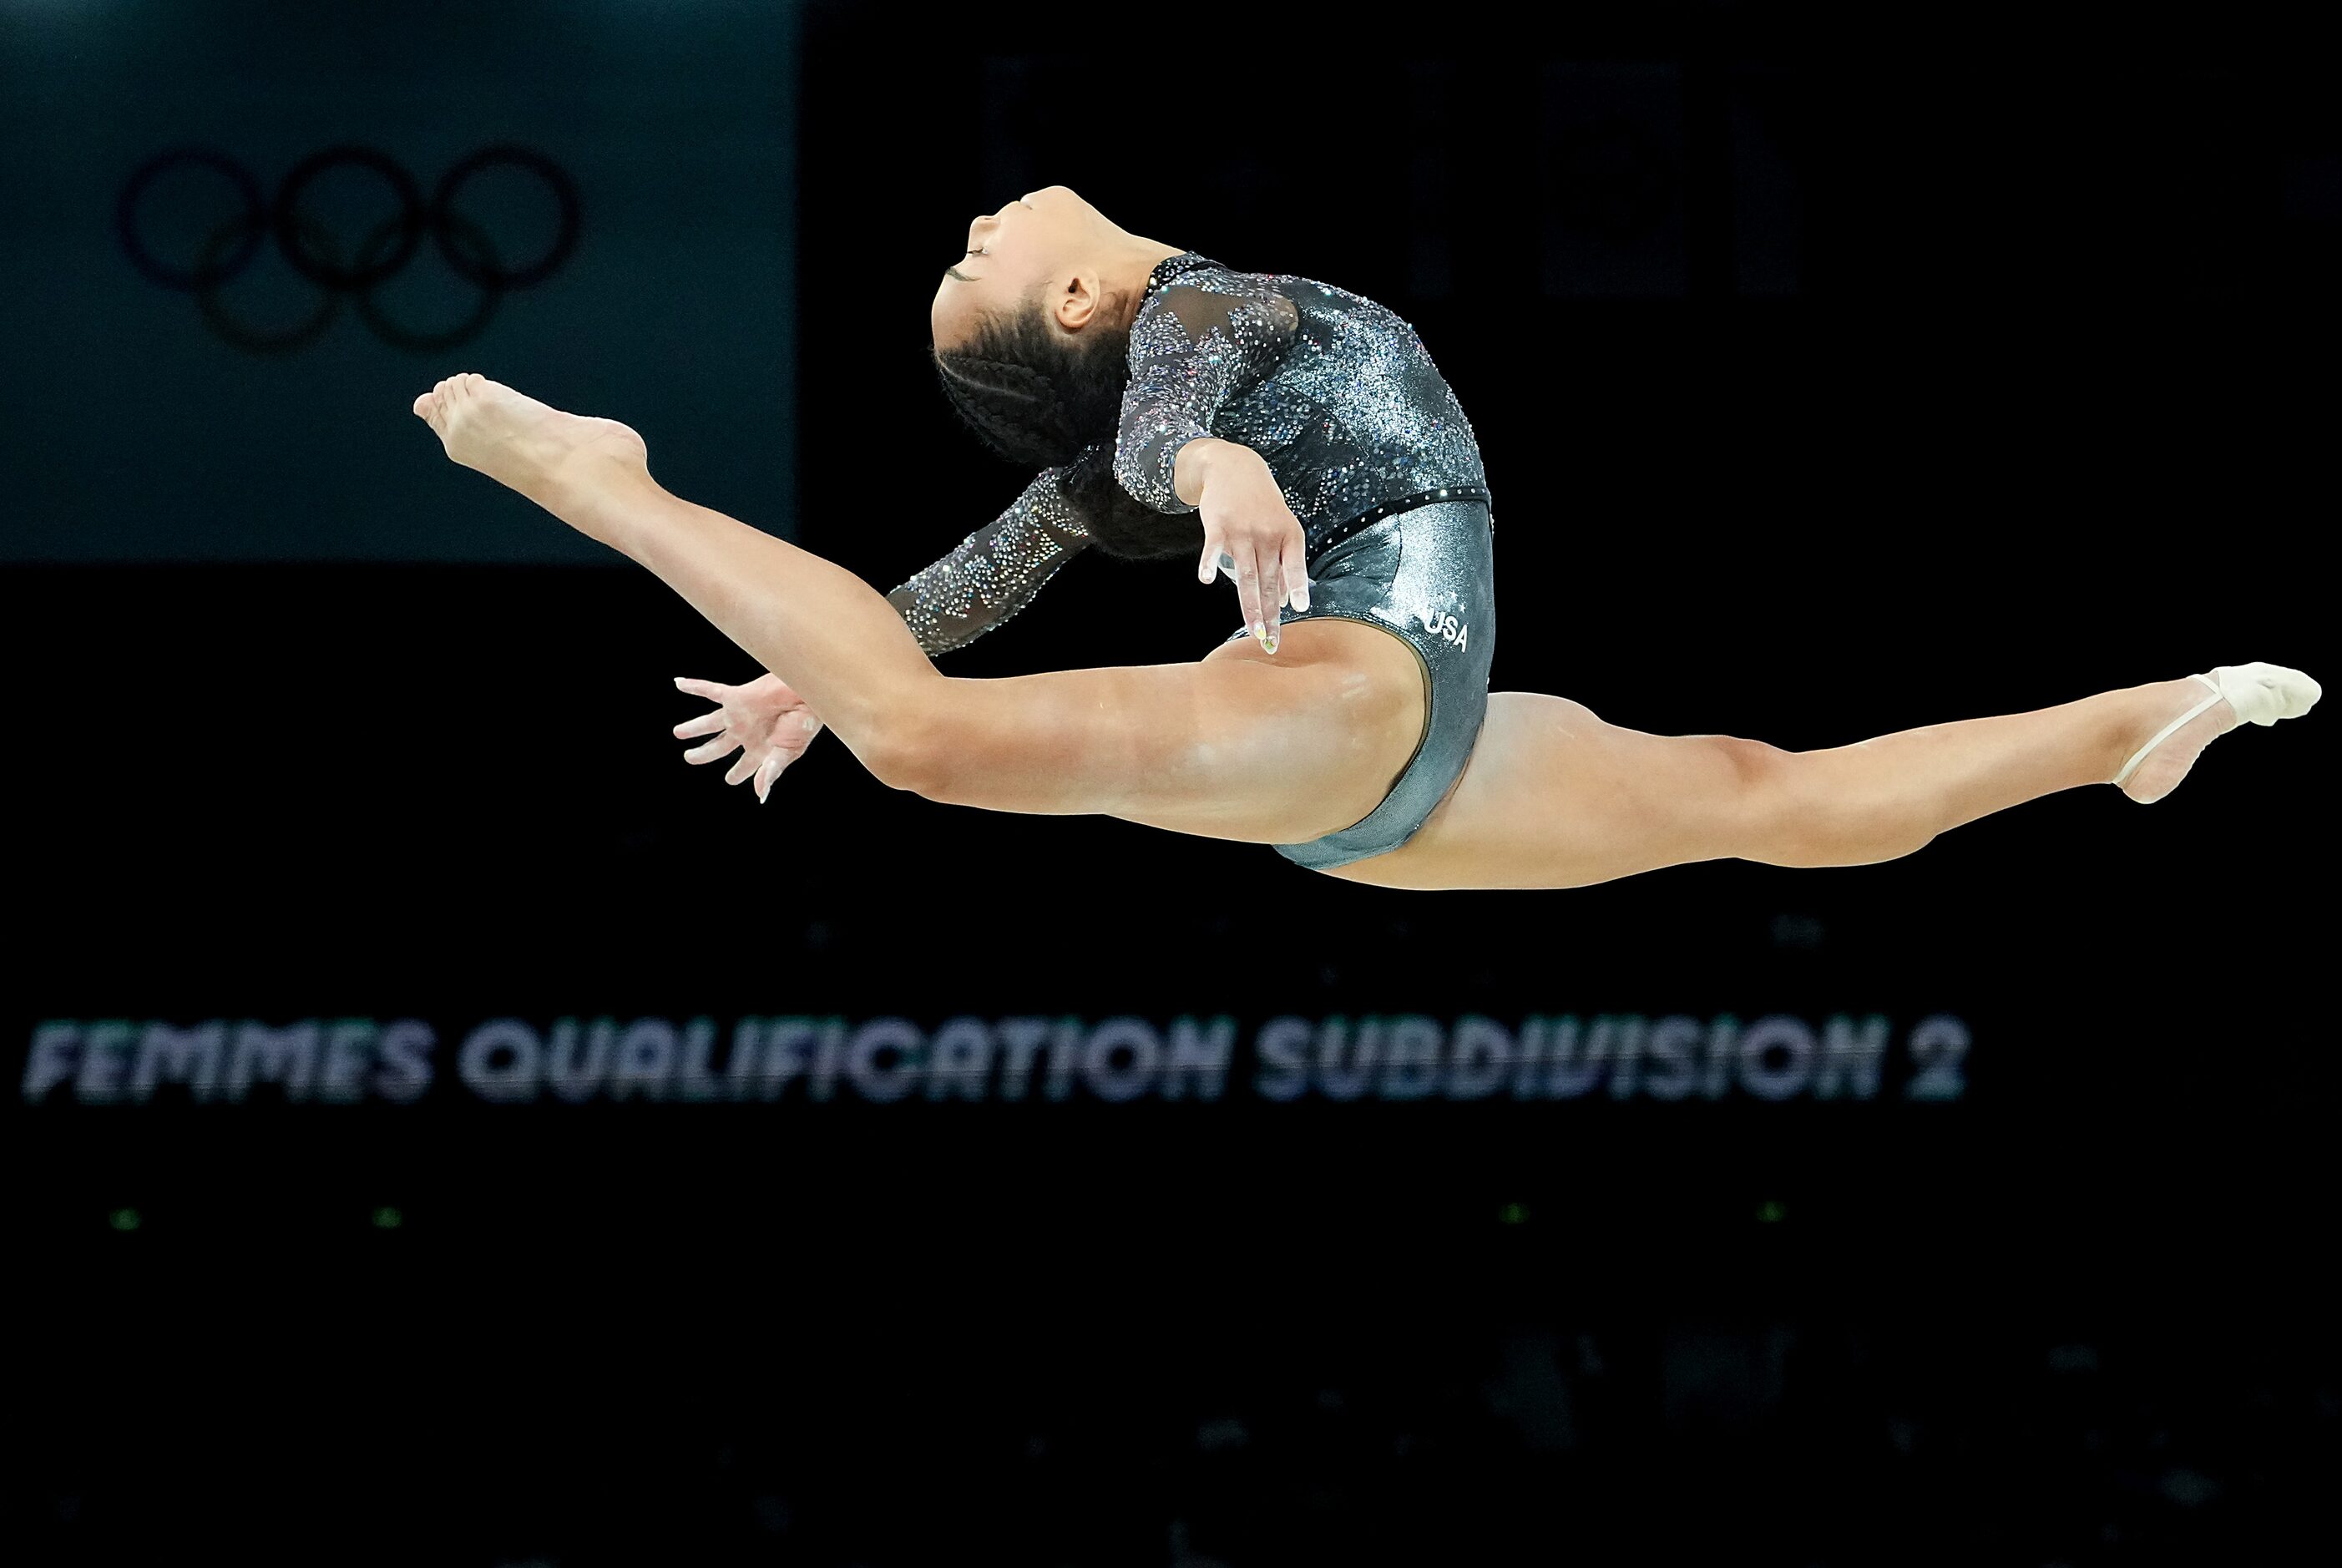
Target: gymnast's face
x: 1050, y: 240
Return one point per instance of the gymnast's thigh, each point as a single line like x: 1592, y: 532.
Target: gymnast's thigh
x: 1241, y: 744
x: 1554, y: 797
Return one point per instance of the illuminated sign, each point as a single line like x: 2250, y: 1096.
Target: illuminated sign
x: 1383, y: 1057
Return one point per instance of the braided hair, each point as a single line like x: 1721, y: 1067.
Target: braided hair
x: 1043, y: 399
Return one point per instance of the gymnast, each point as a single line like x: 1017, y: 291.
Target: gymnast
x: 1297, y: 439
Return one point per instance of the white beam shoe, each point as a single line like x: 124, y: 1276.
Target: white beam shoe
x: 2258, y: 694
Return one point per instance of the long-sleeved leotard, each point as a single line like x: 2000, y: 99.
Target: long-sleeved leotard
x: 996, y: 571
x: 1336, y: 392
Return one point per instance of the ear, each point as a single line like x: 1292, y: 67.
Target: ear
x: 1079, y: 301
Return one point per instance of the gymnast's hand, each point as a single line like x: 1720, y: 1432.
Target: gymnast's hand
x: 766, y: 721
x: 1251, y: 534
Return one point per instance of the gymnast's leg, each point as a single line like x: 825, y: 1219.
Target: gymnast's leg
x: 1285, y: 749
x: 1554, y: 797
x: 1241, y: 746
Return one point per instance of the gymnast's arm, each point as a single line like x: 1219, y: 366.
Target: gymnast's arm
x: 996, y: 571
x: 1191, y: 349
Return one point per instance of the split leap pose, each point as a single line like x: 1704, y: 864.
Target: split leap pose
x: 1300, y: 437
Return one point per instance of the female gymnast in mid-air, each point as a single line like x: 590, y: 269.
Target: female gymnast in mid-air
x: 1300, y: 438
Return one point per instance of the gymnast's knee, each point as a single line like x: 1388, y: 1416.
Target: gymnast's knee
x: 1793, y: 813
x: 905, y: 740
x: 1770, y: 813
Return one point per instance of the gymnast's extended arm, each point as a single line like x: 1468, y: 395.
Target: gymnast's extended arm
x: 995, y: 572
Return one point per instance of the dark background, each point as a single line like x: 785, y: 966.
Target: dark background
x: 1830, y: 384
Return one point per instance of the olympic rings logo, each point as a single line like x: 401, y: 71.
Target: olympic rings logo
x: 313, y: 251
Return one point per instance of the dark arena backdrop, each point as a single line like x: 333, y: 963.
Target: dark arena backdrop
x: 446, y: 1128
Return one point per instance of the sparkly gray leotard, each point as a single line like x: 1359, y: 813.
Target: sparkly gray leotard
x: 1372, y: 452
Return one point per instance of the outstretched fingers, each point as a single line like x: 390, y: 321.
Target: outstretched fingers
x: 708, y: 723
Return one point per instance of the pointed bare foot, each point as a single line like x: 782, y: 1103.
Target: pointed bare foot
x: 519, y: 442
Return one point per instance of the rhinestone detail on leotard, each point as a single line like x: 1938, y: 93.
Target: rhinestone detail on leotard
x: 1336, y: 393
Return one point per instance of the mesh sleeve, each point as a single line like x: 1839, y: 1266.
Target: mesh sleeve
x: 1191, y: 348
x: 996, y: 571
